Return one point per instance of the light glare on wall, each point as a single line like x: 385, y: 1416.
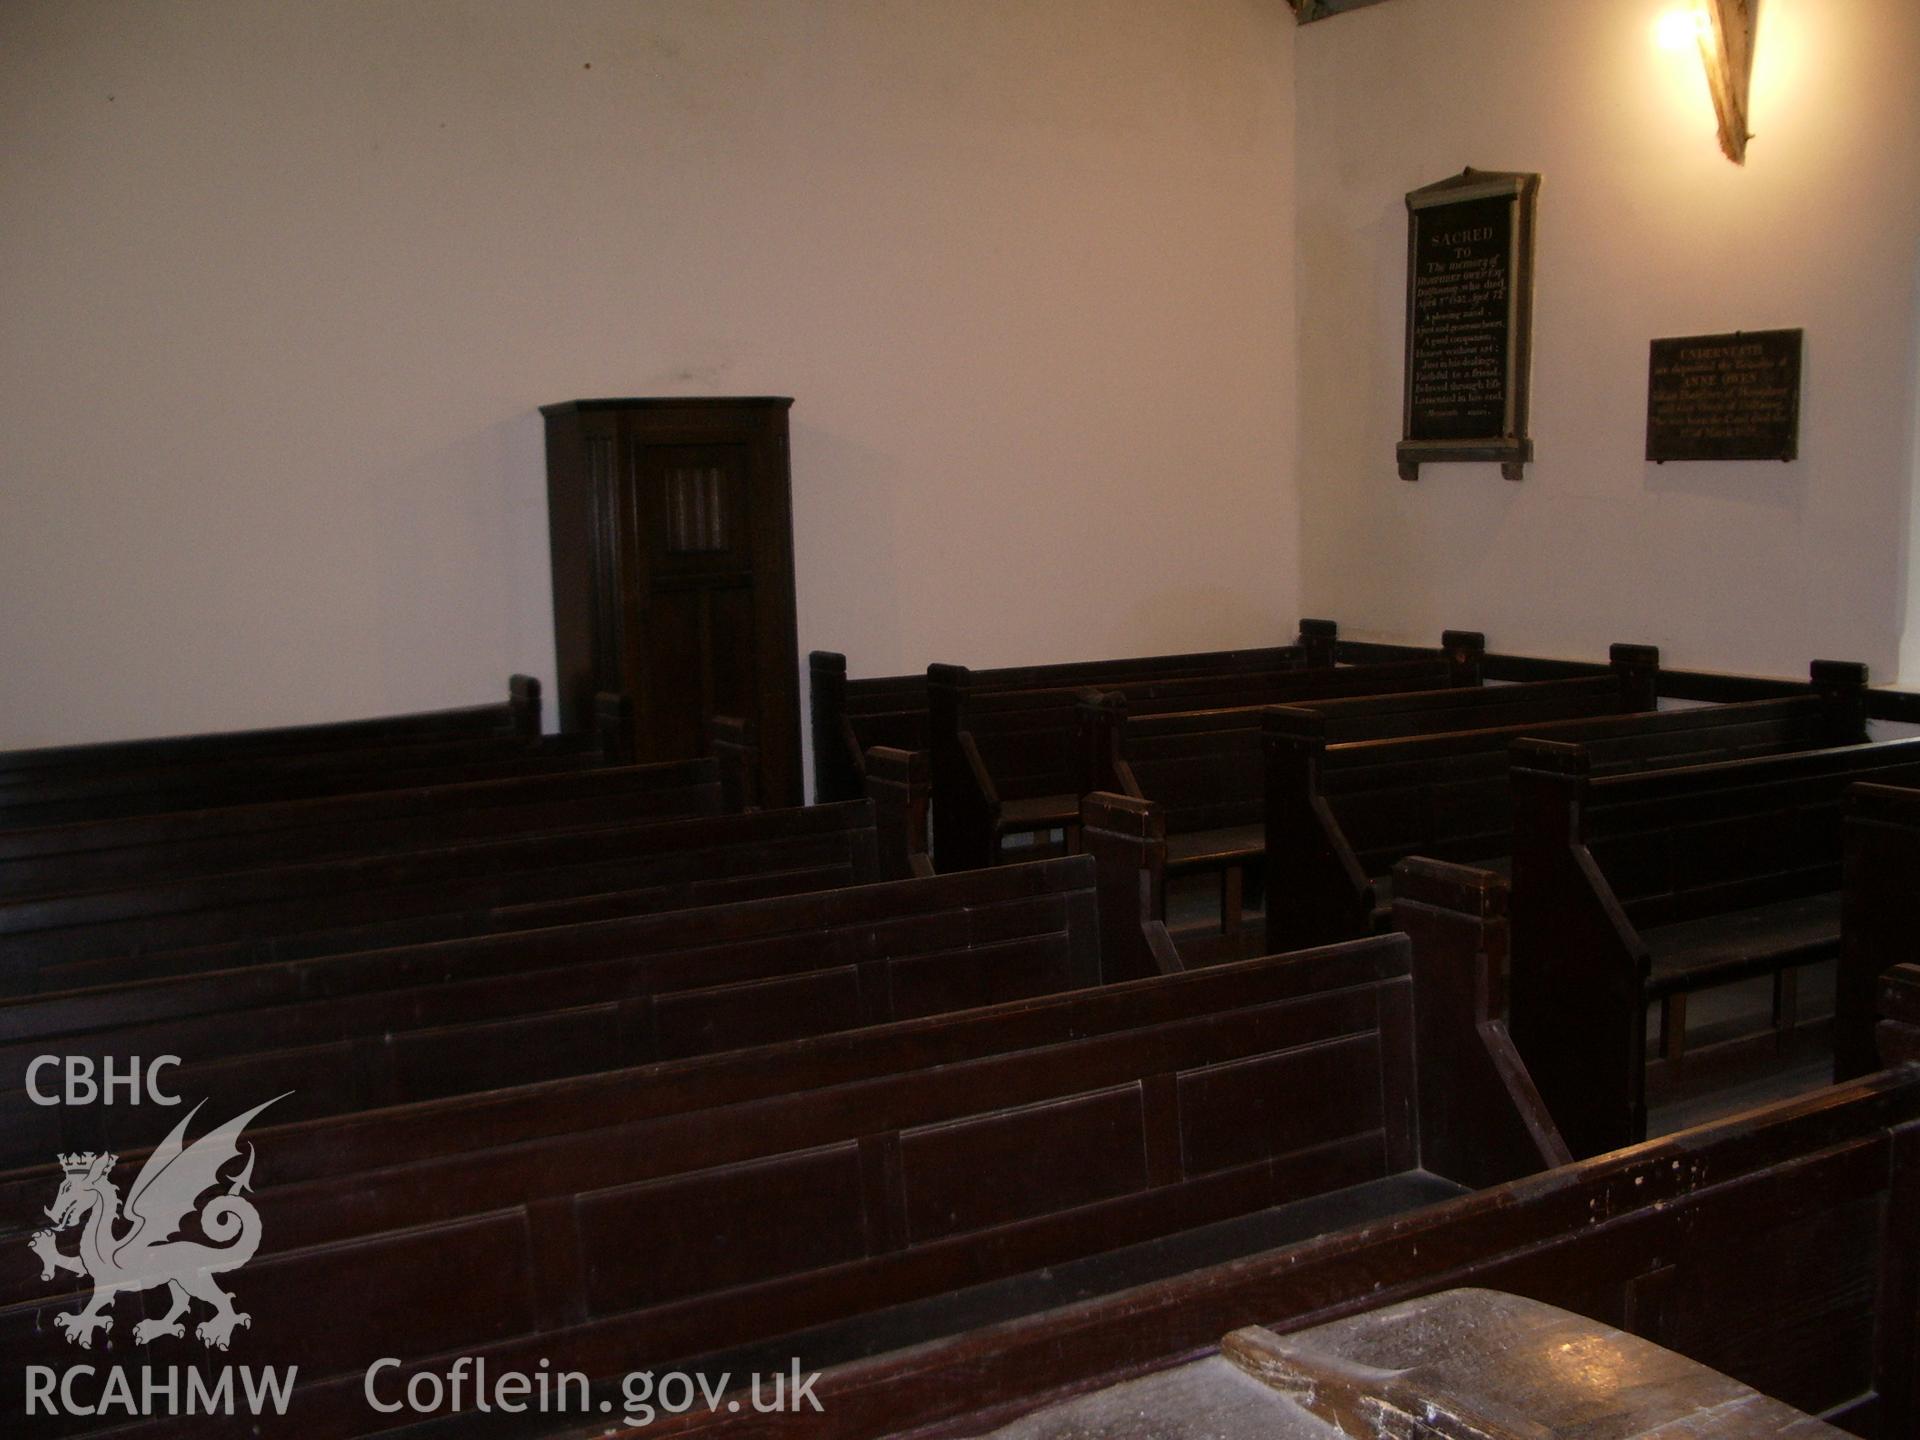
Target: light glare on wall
x: 1681, y: 28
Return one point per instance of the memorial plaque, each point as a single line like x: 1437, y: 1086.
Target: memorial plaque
x: 1725, y: 397
x: 1469, y: 322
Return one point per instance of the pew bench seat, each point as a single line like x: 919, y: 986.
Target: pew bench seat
x: 1721, y: 949
x: 1230, y: 845
x: 1774, y: 939
x: 1501, y: 865
x: 1037, y: 814
x: 1632, y: 891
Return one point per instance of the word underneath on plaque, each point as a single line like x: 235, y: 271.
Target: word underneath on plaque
x: 1725, y: 397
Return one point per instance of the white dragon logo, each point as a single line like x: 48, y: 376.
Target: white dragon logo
x: 147, y: 1255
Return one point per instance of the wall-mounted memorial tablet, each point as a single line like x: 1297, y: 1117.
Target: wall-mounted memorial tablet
x: 1724, y: 397
x: 1469, y: 321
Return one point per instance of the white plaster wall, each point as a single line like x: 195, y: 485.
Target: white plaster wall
x: 1644, y: 230
x: 282, y: 285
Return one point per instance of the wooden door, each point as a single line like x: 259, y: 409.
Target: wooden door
x: 701, y: 575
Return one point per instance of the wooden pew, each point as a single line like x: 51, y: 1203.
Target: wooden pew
x: 1778, y: 1247
x: 900, y: 786
x: 391, y: 1027
x: 1012, y: 762
x: 1879, y: 927
x: 518, y: 715
x: 219, y: 921
x: 1468, y: 1361
x: 98, y: 854
x: 1899, y: 1003
x: 850, y: 717
x: 1444, y: 909
x: 1207, y: 769
x: 822, y: 1206
x: 349, y: 1175
x: 73, y: 794
x: 1635, y: 890
x: 1339, y: 815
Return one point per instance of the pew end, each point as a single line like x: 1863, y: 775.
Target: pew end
x: 1466, y: 652
x: 1637, y: 668
x: 523, y: 705
x: 613, y: 726
x: 1482, y: 1121
x: 898, y: 783
x: 1881, y: 884
x: 1899, y: 1029
x: 1842, y: 688
x: 1317, y: 890
x: 1318, y: 640
x: 836, y: 754
x: 1127, y: 838
x: 735, y: 748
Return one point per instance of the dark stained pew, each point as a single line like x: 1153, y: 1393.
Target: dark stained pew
x: 219, y: 921
x: 102, y: 853
x: 1637, y: 890
x: 518, y: 715
x: 1898, y: 1032
x: 850, y: 717
x: 1778, y: 1247
x: 1467, y: 1361
x: 1207, y: 769
x: 1879, y: 915
x: 1181, y: 1139
x: 1012, y: 762
x: 1339, y: 815
x: 381, y: 1028
x: 73, y: 794
x: 900, y: 785
x: 354, y: 1174
x: 1446, y: 910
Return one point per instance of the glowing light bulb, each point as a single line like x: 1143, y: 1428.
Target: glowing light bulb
x: 1682, y: 28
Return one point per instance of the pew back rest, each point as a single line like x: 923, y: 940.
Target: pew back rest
x: 817, y: 847
x: 1449, y: 794
x: 1029, y: 740
x: 103, y: 853
x: 1429, y: 712
x: 518, y: 714
x: 850, y: 717
x: 393, y: 768
x: 838, y: 1201
x: 1205, y: 770
x: 1758, y: 1222
x: 1679, y: 844
x: 395, y: 1026
x: 1208, y: 768
x: 1881, y: 872
x: 389, y: 1139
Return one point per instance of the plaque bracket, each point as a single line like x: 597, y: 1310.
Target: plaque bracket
x: 1469, y: 324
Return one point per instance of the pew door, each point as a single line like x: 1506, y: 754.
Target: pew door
x: 671, y: 528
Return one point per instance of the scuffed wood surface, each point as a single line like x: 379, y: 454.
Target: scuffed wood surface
x: 1485, y: 1365
x: 1207, y: 1400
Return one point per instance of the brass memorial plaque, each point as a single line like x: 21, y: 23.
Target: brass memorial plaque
x: 1725, y: 397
